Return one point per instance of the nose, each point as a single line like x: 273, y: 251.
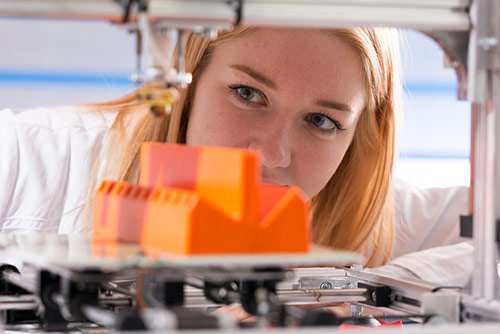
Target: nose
x: 274, y: 147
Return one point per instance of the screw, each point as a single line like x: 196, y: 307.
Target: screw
x: 211, y: 33
x: 347, y: 286
x: 487, y: 42
x: 222, y: 292
x: 355, y: 310
x: 374, y: 297
x: 326, y: 285
x: 262, y: 301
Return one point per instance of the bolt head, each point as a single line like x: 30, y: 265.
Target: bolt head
x: 222, y: 292
x: 487, y: 43
x: 374, y: 297
x: 326, y: 285
x: 355, y: 309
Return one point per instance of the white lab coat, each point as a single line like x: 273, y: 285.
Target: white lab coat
x: 45, y: 158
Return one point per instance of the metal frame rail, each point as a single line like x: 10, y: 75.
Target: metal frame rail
x: 469, y: 31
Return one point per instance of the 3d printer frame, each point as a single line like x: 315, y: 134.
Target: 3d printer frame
x: 468, y: 31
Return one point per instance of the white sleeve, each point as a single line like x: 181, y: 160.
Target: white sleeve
x: 445, y: 265
x: 427, y: 218
x: 428, y: 243
x: 9, y: 162
x: 44, y: 168
x: 28, y: 200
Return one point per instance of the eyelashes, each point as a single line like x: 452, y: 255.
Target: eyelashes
x: 248, y: 95
x: 253, y: 97
x: 324, y: 123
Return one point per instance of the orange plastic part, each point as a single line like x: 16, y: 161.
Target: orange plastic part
x: 119, y: 210
x: 180, y: 221
x: 225, y: 177
x: 283, y: 220
x: 201, y: 200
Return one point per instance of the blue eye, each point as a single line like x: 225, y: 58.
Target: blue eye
x: 246, y: 93
x: 323, y: 123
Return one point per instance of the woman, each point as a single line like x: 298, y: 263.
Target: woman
x: 297, y: 97
x: 319, y: 106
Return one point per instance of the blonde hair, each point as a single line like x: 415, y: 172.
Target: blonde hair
x: 355, y: 209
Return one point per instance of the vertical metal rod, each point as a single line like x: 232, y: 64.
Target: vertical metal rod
x: 181, y: 68
x: 492, y: 280
x: 138, y: 54
x: 485, y: 277
x: 479, y: 183
x: 472, y: 157
x: 484, y: 71
x: 145, y: 38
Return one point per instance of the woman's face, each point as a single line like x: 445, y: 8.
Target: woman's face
x: 292, y: 95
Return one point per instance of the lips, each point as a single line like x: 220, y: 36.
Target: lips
x: 273, y: 178
x: 276, y: 184
x: 271, y: 181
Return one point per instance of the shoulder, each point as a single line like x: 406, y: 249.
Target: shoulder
x: 42, y: 136
x: 46, y: 157
x: 406, y: 193
x: 427, y: 217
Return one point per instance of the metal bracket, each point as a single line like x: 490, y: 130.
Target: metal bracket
x: 445, y: 303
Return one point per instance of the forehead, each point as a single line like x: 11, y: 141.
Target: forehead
x: 302, y: 62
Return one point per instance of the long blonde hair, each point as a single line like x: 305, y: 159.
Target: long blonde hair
x: 355, y: 209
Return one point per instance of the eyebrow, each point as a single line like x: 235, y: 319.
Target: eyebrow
x: 334, y: 105
x: 256, y: 75
x: 271, y: 84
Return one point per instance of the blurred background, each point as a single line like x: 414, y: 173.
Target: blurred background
x: 48, y: 62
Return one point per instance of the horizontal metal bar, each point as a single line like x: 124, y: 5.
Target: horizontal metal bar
x: 117, y: 300
x: 196, y: 298
x: 29, y: 302
x: 449, y: 15
x: 23, y: 302
x: 410, y: 288
x: 308, y: 299
x: 19, y: 281
x: 294, y: 297
x: 478, y: 308
x: 61, y: 8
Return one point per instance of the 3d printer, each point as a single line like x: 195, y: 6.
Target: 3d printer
x: 467, y: 30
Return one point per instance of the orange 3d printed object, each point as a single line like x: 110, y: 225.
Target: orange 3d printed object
x: 201, y: 200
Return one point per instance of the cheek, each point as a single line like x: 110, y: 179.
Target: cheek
x: 213, y: 122
x: 317, y: 164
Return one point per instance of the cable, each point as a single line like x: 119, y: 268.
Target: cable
x: 238, y: 10
x: 142, y: 5
x: 99, y: 316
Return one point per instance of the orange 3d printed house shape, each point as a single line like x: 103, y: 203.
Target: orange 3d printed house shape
x: 201, y: 200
